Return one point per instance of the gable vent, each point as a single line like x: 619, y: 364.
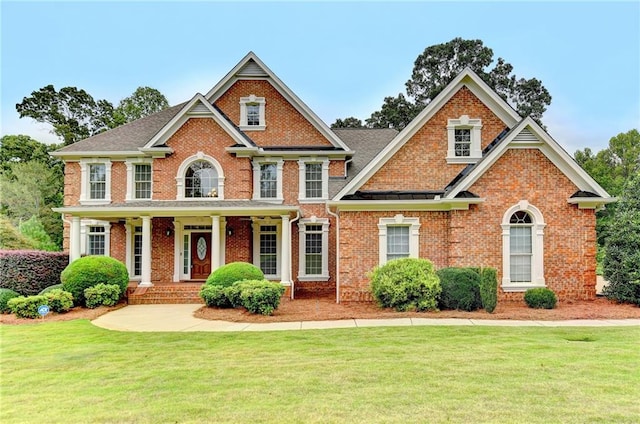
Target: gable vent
x: 199, y: 109
x: 251, y: 69
x: 525, y: 136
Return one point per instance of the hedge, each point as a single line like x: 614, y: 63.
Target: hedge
x: 102, y: 295
x: 228, y: 274
x: 460, y: 289
x: 540, y: 298
x: 257, y: 296
x: 27, y: 307
x: 489, y: 289
x: 28, y: 272
x: 92, y: 270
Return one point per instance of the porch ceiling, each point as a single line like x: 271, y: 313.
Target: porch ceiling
x: 173, y: 208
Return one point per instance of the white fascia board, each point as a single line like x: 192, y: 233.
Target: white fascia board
x: 591, y: 202
x: 407, y: 205
x: 136, y: 211
x: 75, y: 156
x: 548, y: 146
x: 183, y: 116
x: 466, y: 78
x: 228, y: 80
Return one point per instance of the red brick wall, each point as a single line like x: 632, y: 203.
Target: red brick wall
x: 421, y: 163
x: 285, y: 126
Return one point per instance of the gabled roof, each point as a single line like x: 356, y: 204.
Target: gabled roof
x: 251, y: 67
x: 198, y: 106
x: 528, y: 134
x: 467, y: 78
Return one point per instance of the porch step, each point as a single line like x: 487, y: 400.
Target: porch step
x: 164, y: 294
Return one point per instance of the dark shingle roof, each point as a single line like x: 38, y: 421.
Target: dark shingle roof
x: 128, y: 137
x: 366, y: 143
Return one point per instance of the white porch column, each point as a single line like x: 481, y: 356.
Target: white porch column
x: 215, y: 242
x: 285, y: 257
x: 146, y: 252
x: 74, y: 239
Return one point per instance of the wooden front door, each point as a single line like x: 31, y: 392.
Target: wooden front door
x: 200, y: 255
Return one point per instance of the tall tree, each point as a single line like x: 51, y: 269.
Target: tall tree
x: 439, y: 64
x: 143, y: 102
x: 622, y: 250
x: 22, y: 148
x: 75, y: 114
x: 349, y: 122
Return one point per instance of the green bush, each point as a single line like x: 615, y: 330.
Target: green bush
x: 90, y: 271
x: 489, y: 289
x: 48, y: 289
x: 59, y: 300
x: 261, y: 297
x: 230, y: 273
x: 214, y: 296
x: 27, y: 307
x: 540, y: 298
x: 460, y: 289
x: 5, y: 295
x: 102, y: 295
x: 406, y: 284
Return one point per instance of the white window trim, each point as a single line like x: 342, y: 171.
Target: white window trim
x: 85, y: 187
x: 279, y: 162
x: 475, y: 125
x: 399, y: 220
x: 131, y: 176
x: 302, y: 226
x: 537, y: 248
x: 84, y: 235
x: 183, y: 169
x: 256, y: 245
x: 302, y: 186
x: 243, y: 113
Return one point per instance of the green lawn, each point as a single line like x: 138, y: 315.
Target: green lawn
x: 73, y: 372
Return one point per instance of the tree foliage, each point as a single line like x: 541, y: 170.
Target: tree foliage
x: 22, y: 148
x: 35, y: 231
x: 439, y: 64
x: 622, y: 250
x: 74, y: 114
x: 349, y: 122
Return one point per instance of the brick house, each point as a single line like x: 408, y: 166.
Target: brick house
x: 247, y: 172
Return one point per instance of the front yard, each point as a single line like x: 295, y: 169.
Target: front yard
x: 74, y: 372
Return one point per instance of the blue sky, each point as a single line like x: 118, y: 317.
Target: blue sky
x: 340, y: 58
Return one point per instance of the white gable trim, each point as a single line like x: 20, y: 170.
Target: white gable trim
x: 466, y: 78
x: 520, y: 138
x: 197, y: 107
x: 235, y: 74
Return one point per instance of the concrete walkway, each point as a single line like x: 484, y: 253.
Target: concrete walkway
x: 180, y: 318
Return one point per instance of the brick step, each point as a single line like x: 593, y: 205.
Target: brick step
x: 164, y: 294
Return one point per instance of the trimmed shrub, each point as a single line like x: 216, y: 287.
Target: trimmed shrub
x: 90, y: 271
x: 5, y: 295
x: 260, y: 297
x: 215, y: 296
x: 460, y: 289
x: 27, y: 307
x: 59, y: 300
x: 230, y: 273
x: 48, y: 289
x: 406, y: 284
x: 540, y: 298
x: 489, y: 289
x: 28, y: 272
x: 102, y: 295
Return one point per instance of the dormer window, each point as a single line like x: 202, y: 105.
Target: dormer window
x: 464, y: 137
x: 252, y: 113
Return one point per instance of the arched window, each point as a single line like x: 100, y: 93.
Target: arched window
x: 522, y: 248
x: 200, y: 177
x: 201, y: 180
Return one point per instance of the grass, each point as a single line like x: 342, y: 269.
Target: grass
x: 74, y: 372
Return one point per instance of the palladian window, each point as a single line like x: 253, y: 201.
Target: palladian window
x: 201, y: 180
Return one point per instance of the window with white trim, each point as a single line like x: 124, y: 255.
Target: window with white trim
x: 464, y: 140
x: 252, y: 113
x: 267, y: 179
x: 314, y: 249
x: 200, y: 177
x: 142, y: 181
x: 137, y: 252
x: 95, y: 237
x: 95, y: 183
x: 398, y: 238
x: 523, y: 248
x: 266, y: 247
x: 314, y: 180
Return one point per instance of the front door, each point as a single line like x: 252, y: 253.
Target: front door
x: 200, y: 255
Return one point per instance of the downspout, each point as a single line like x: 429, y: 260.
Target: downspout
x: 337, y: 250
x: 290, y: 243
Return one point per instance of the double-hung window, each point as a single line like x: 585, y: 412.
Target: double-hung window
x: 520, y: 246
x: 398, y: 238
x: 314, y: 249
x: 314, y: 180
x: 464, y: 140
x: 142, y: 181
x: 269, y: 249
x: 267, y: 179
x: 252, y: 113
x: 397, y: 242
x: 97, y: 181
